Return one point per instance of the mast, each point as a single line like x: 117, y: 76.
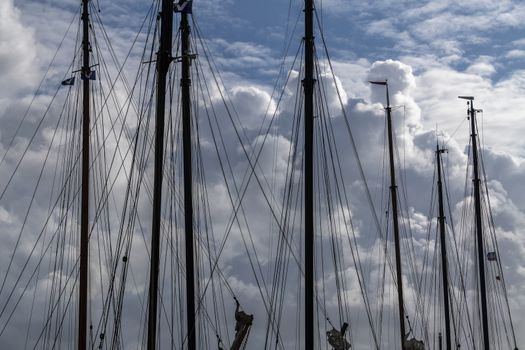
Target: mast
x: 479, y: 225
x: 395, y: 219
x: 444, y: 261
x: 163, y: 62
x: 185, y: 83
x: 84, y: 216
x: 308, y: 85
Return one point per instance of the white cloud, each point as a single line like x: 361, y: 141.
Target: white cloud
x: 482, y: 67
x: 515, y: 54
x: 252, y: 105
x: 17, y: 52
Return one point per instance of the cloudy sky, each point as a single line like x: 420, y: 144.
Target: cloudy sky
x: 431, y: 52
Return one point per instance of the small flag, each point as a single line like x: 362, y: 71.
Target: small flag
x: 491, y: 256
x: 91, y: 75
x: 184, y: 6
x: 70, y: 81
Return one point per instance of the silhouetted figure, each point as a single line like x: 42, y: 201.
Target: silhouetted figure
x: 413, y: 343
x: 337, y: 338
x: 243, y: 322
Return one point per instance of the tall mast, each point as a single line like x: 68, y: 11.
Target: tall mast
x: 308, y: 85
x: 479, y: 224
x: 393, y: 196
x: 84, y: 216
x: 444, y: 261
x: 185, y: 83
x: 163, y: 61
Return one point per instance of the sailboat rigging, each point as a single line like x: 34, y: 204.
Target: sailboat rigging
x: 406, y: 342
x: 393, y: 198
x: 479, y: 224
x: 156, y: 171
x: 483, y: 227
x: 164, y: 59
x: 84, y: 220
x: 443, y: 246
x: 163, y: 62
x: 309, y: 233
x: 116, y: 261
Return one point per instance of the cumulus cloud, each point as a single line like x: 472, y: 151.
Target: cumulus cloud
x: 482, y: 67
x: 252, y: 105
x: 17, y: 52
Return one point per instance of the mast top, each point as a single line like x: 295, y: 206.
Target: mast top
x: 470, y: 98
x: 379, y: 82
x: 383, y: 83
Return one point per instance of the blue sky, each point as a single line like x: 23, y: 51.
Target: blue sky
x: 385, y: 29
x: 431, y: 52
